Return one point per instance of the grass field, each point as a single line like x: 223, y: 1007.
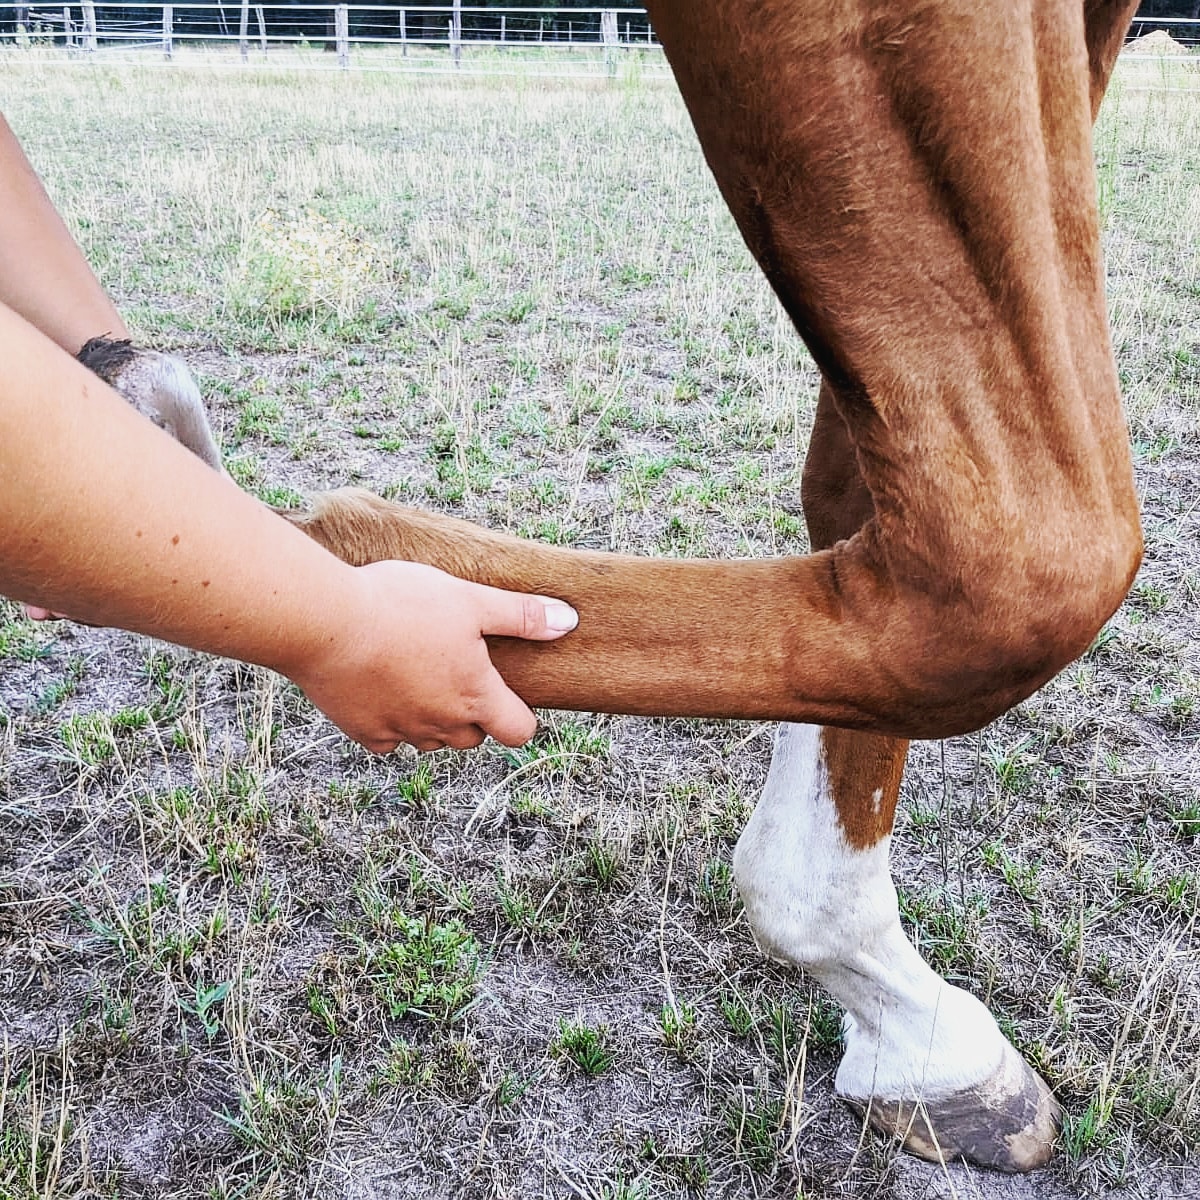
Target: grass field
x: 241, y: 958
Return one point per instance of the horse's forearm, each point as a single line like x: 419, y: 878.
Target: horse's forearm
x: 656, y: 636
x: 823, y: 638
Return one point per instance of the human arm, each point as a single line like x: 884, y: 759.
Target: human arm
x: 43, y: 274
x: 104, y: 517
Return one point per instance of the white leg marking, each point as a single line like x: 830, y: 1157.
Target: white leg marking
x: 161, y: 387
x: 814, y: 900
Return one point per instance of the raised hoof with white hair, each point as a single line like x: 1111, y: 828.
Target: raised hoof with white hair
x: 160, y: 387
x: 1009, y: 1122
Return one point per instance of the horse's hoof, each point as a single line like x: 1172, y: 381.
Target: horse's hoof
x: 1008, y: 1122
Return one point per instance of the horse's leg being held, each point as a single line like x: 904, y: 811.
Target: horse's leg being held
x: 918, y: 186
x: 925, y: 1060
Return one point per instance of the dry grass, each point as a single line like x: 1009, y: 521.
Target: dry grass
x: 239, y: 957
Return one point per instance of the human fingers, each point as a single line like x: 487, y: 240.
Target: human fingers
x: 463, y: 737
x: 466, y: 737
x: 503, y: 715
x: 514, y: 614
x: 36, y: 613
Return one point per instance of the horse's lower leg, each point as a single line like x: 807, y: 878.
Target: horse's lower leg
x: 925, y: 1060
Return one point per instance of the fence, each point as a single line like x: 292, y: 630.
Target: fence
x: 411, y: 37
x: 430, y: 37
x: 1184, y: 30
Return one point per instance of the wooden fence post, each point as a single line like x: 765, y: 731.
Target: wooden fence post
x: 403, y: 36
x: 68, y: 29
x: 89, y: 25
x: 243, y: 31
x: 168, y: 31
x: 502, y: 20
x: 341, y: 33
x: 456, y: 33
x: 262, y: 29
x: 608, y: 35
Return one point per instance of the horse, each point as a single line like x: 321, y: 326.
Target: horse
x: 915, y: 179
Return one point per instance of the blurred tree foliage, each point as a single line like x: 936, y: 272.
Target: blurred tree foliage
x: 1170, y: 8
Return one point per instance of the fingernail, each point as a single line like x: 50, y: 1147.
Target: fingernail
x: 562, y: 618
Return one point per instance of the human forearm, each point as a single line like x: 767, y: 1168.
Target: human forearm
x: 109, y: 520
x: 103, y: 517
x: 43, y: 274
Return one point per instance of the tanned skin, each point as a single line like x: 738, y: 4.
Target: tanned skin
x: 105, y: 518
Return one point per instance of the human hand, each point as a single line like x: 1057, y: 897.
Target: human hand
x: 405, y: 659
x: 34, y: 613
x: 392, y: 652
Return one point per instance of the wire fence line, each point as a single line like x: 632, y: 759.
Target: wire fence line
x: 424, y: 38
x: 1184, y: 30
x: 595, y: 41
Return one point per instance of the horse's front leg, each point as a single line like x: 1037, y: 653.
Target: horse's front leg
x: 924, y: 1060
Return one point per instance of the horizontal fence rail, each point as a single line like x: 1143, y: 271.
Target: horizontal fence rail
x: 575, y: 41
x: 445, y: 36
x: 1184, y: 30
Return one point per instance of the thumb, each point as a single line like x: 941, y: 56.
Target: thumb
x: 514, y: 614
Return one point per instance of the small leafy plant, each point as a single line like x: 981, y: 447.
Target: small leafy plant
x: 430, y: 970
x: 584, y: 1045
x: 303, y: 265
x: 205, y: 1004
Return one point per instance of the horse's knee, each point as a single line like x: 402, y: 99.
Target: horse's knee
x: 970, y: 637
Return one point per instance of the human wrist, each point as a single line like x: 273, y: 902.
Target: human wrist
x: 327, y: 624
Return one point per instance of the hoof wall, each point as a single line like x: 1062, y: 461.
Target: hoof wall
x: 1007, y: 1123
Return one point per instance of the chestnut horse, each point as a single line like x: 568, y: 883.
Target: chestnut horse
x: 915, y: 178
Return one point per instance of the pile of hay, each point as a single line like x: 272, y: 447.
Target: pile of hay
x: 1158, y: 42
